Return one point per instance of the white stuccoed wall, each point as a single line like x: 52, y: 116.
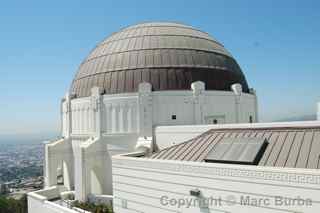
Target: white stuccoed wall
x: 99, y: 126
x: 148, y: 185
x: 140, y: 112
x: 120, y: 114
x: 93, y: 169
x: 59, y: 154
x: 166, y: 136
x: 39, y: 201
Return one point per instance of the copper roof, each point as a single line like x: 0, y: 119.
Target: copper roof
x: 170, y: 56
x: 297, y: 147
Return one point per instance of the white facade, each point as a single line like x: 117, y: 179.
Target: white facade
x: 97, y: 127
x: 100, y: 126
x: 155, y: 185
x: 161, y: 186
x: 138, y: 112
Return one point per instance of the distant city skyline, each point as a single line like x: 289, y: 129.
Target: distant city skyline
x: 42, y: 43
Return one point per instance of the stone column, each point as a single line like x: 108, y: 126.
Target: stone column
x: 125, y: 118
x: 129, y: 118
x: 57, y: 154
x: 145, y: 110
x: 198, y: 88
x: 237, y: 89
x: 50, y: 165
x: 109, y: 118
x: 114, y: 118
x: 93, y: 169
x: 256, y: 115
x: 79, y: 173
x: 121, y: 118
x: 66, y: 116
x: 96, y: 102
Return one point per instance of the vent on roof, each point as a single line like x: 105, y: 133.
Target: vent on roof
x: 246, y: 151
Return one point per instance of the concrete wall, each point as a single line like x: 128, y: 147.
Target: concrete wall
x: 120, y: 113
x: 82, y: 122
x: 139, y: 112
x: 93, y: 171
x: 39, y: 201
x: 147, y: 185
x: 59, y: 158
x: 169, y: 103
x: 38, y: 206
x: 218, y: 105
x: 165, y: 136
x: 116, y: 122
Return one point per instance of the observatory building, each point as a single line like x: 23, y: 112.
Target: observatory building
x: 143, y: 76
x: 154, y: 90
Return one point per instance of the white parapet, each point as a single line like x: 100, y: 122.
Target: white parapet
x: 92, y: 169
x: 219, y: 187
x: 39, y: 201
x: 59, y: 160
x: 166, y: 136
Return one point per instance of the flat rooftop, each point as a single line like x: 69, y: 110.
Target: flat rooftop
x: 294, y: 147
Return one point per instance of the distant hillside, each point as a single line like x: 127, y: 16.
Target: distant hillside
x: 299, y: 118
x: 27, y: 138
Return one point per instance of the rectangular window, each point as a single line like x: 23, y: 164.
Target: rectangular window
x: 246, y: 151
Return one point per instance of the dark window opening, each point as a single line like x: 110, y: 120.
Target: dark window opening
x: 215, y: 121
x: 173, y: 117
x: 250, y: 119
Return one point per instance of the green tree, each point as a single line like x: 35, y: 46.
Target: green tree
x: 10, y: 205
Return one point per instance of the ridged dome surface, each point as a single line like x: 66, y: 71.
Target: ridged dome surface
x: 170, y: 56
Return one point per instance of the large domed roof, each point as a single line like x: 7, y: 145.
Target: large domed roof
x: 170, y: 56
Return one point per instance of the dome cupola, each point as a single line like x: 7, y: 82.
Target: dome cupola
x: 169, y: 56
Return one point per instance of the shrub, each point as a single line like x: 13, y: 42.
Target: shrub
x: 101, y: 208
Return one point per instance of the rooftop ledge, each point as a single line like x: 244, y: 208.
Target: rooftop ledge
x: 196, y: 128
x: 291, y: 176
x: 57, y: 197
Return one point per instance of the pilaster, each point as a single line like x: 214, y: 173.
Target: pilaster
x: 237, y: 90
x: 145, y: 109
x: 96, y: 105
x: 198, y: 89
x: 66, y: 114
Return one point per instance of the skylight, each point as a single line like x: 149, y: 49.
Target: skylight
x: 238, y: 151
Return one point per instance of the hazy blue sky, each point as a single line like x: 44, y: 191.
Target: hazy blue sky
x: 42, y: 43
